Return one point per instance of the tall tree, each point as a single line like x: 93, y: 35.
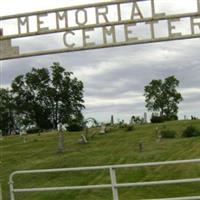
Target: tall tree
x: 66, y: 94
x: 47, y: 98
x: 162, y: 96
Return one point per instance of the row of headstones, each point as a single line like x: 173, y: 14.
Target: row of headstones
x: 131, y: 121
x: 84, y: 139
x: 192, y: 117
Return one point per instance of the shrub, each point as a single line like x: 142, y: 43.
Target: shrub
x: 74, y: 127
x: 137, y: 119
x: 130, y: 128
x: 191, y: 131
x: 34, y: 130
x: 160, y: 119
x: 171, y: 118
x: 157, y: 119
x: 122, y: 125
x: 168, y: 133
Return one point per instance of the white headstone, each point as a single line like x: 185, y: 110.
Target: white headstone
x: 145, y: 117
x: 132, y: 120
x: 60, y: 127
x: 158, y: 135
x: 103, y: 128
x: 61, y: 146
x: 83, y: 140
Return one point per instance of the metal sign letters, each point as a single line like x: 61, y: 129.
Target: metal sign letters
x: 96, y: 26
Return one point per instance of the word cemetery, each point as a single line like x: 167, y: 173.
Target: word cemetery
x: 100, y: 25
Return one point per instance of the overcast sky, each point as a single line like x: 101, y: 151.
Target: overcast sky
x: 114, y: 78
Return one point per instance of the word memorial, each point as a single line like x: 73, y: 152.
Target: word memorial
x: 92, y: 26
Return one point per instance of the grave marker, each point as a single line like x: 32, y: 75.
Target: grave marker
x: 61, y: 147
x: 83, y: 139
x: 158, y: 135
x: 23, y: 134
x: 112, y: 120
x: 145, y: 117
x: 103, y: 129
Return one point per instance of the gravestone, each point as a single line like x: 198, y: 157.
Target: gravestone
x: 145, y: 117
x: 23, y: 134
x: 132, y: 120
x: 103, y: 129
x: 83, y: 140
x: 61, y: 147
x: 112, y: 120
x: 158, y: 135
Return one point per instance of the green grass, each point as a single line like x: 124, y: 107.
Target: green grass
x: 117, y: 147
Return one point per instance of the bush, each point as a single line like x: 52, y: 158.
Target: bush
x: 34, y: 130
x: 74, y: 127
x: 171, y: 118
x: 191, y: 131
x: 130, y: 128
x: 157, y: 119
x: 160, y: 119
x: 168, y: 133
x: 122, y: 125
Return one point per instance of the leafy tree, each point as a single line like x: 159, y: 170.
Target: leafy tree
x: 30, y: 98
x: 66, y: 94
x: 46, y: 98
x: 162, y: 96
x: 7, y: 123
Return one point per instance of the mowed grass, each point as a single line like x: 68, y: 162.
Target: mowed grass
x: 117, y: 147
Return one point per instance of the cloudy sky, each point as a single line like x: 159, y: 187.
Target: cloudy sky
x: 114, y: 78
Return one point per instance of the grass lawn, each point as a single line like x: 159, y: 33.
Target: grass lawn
x: 117, y: 147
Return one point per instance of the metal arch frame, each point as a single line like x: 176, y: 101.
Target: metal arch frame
x: 113, y: 178
x: 117, y: 44
x: 149, y: 19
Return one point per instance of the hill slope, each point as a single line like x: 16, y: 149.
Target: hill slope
x: 118, y: 147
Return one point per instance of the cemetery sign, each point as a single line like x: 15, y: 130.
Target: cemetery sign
x: 100, y: 25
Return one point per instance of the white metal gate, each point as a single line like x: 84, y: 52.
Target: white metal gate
x: 114, y: 185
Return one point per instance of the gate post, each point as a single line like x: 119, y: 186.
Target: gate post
x: 114, y: 182
x: 12, y: 195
